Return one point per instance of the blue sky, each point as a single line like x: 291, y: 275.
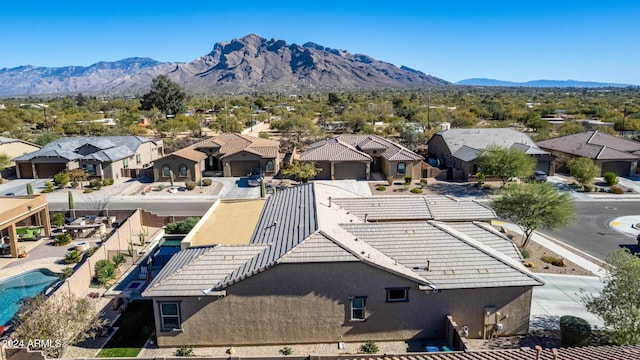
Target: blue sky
x: 508, y: 40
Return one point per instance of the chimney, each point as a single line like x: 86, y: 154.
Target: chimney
x: 538, y: 350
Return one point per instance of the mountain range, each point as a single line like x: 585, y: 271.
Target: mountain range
x: 539, y: 83
x: 248, y: 63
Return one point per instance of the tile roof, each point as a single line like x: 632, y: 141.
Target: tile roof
x: 189, y: 153
x: 334, y: 150
x: 232, y: 143
x: 412, y: 207
x: 6, y: 140
x: 594, y: 145
x: 302, y: 225
x: 443, y: 256
x: 466, y: 153
x: 481, y: 138
x: 576, y: 353
x: 391, y: 151
x: 113, y: 147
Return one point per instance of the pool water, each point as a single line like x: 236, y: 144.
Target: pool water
x: 16, y: 288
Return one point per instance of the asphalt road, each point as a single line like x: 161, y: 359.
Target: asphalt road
x: 592, y: 233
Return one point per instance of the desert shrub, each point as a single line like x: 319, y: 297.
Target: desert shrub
x: 92, y: 250
x: 287, y: 350
x: 548, y: 259
x: 588, y: 187
x: 118, y: 259
x: 87, y: 191
x: 264, y: 135
x: 616, y: 190
x: 381, y: 188
x: 190, y: 185
x: 46, y: 190
x: 407, y: 179
x: 74, y: 184
x: 62, y: 239
x: 72, y: 257
x: 105, y: 271
x: 574, y: 331
x: 65, y: 274
x: 184, y: 350
x: 95, y: 183
x: 370, y: 347
x: 57, y: 219
x: 206, y: 182
x: 525, y: 253
x: 182, y: 227
x: 61, y: 179
x: 107, y: 181
x: 416, y: 191
x: 611, y: 178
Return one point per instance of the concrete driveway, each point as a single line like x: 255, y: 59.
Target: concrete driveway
x: 560, y: 296
x: 19, y: 186
x: 237, y: 188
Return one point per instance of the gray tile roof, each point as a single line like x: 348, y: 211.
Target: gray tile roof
x: 481, y: 138
x: 196, y: 270
x: 66, y: 147
x: 297, y: 225
x: 334, y: 150
x: 442, y: 256
x: 466, y: 153
x: 412, y: 207
x: 594, y: 145
x: 6, y: 140
x: 488, y: 235
x: 111, y: 154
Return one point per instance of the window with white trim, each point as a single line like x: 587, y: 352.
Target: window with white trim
x: 358, y: 308
x: 166, y: 171
x: 397, y: 294
x: 402, y: 168
x: 138, y: 159
x: 170, y: 316
x: 125, y: 163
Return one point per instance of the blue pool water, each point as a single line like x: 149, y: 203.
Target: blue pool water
x: 16, y: 288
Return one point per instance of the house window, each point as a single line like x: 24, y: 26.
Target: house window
x: 166, y: 171
x: 91, y: 169
x: 358, y: 310
x: 125, y: 163
x: 269, y: 166
x: 138, y: 160
x: 402, y: 168
x: 183, y: 170
x: 170, y: 316
x: 397, y: 294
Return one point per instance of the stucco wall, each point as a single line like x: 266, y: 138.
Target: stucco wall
x: 305, y: 303
x: 413, y: 168
x: 246, y: 156
x: 174, y: 162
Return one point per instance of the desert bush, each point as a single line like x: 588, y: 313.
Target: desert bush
x: 72, y: 257
x: 184, y: 350
x: 105, y: 271
x: 95, y: 183
x: 574, y: 331
x: 525, y: 253
x: 611, y: 178
x: 548, y: 259
x: 206, y: 182
x: 416, y: 191
x: 87, y: 191
x: 190, y: 185
x: 381, y: 188
x: 92, y: 250
x: 407, y: 179
x: 118, y: 259
x: 287, y: 350
x: 61, y: 179
x: 370, y: 347
x: 107, y: 181
x: 62, y: 239
x: 616, y: 190
x: 182, y: 227
x: 65, y: 274
x: 57, y: 219
x: 264, y: 135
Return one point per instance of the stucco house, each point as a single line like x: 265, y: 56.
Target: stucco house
x: 16, y: 147
x: 235, y: 154
x: 102, y: 156
x: 357, y: 156
x: 457, y: 149
x: 186, y: 164
x: 325, y: 265
x: 609, y: 153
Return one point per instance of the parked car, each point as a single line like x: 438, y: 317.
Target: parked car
x: 9, y: 194
x: 256, y: 176
x: 539, y: 175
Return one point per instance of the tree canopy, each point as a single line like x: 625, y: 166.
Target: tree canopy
x: 583, y: 170
x: 535, y: 206
x: 505, y: 163
x: 618, y: 302
x: 166, y: 95
x: 302, y: 171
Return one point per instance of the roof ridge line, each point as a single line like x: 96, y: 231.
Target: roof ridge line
x: 592, y: 136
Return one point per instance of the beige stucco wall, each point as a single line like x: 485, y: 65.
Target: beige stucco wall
x: 413, y: 168
x: 306, y: 303
x: 247, y: 156
x: 16, y: 148
x: 174, y: 162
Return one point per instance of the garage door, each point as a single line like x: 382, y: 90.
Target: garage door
x: 242, y: 168
x: 26, y: 171
x: 49, y: 170
x: 620, y: 168
x: 325, y: 172
x: 351, y: 170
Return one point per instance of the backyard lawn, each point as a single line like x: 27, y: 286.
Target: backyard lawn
x: 135, y: 327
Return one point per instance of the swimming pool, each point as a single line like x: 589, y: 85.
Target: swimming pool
x: 22, y: 286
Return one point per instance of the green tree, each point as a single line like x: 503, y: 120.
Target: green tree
x: 617, y: 304
x: 583, y: 170
x: 302, y: 171
x: 61, y: 179
x: 534, y: 206
x: 505, y: 163
x: 165, y: 95
x: 569, y: 128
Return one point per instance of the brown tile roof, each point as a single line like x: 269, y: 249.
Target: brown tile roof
x: 578, y: 353
x: 229, y: 144
x: 594, y: 145
x: 359, y: 142
x: 189, y: 153
x: 333, y: 150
